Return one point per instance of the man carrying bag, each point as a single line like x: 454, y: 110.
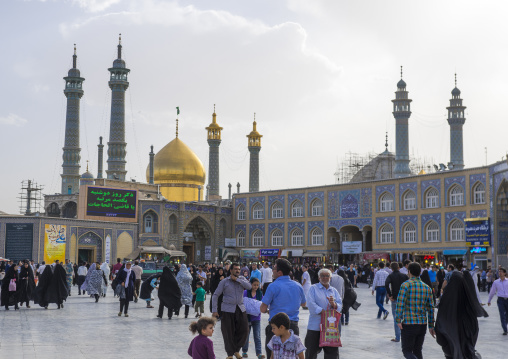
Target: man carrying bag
x: 324, y: 304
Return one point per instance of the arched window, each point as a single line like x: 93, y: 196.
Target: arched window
x: 257, y: 211
x: 173, y: 224
x: 297, y: 237
x: 277, y: 210
x: 53, y: 210
x: 386, y: 233
x: 456, y: 230
x: 257, y: 238
x: 317, y: 208
x: 386, y: 202
x: 409, y: 200
x: 479, y: 194
x: 150, y: 221
x: 317, y: 237
x: 241, y: 212
x: 456, y: 196
x: 409, y: 233
x: 431, y: 198
x: 297, y: 209
x: 240, y: 239
x: 70, y: 210
x: 432, y: 232
x: 277, y: 238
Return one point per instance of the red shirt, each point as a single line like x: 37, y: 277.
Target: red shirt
x: 117, y: 267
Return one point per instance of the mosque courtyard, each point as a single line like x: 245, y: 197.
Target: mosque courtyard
x: 84, y: 329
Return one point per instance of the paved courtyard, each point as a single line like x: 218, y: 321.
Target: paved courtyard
x: 84, y: 329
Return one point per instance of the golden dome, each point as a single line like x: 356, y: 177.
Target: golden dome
x: 176, y: 163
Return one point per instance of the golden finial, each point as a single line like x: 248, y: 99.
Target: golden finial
x: 213, y: 108
x: 176, y: 128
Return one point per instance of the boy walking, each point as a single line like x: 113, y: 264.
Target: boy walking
x: 200, y: 299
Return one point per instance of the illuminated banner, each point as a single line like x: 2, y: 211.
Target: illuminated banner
x: 110, y: 202
x: 54, y: 243
x: 477, y: 231
x: 269, y: 252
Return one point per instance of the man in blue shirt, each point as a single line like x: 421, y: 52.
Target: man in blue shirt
x: 283, y: 296
x: 320, y: 297
x: 255, y: 273
x: 433, y: 278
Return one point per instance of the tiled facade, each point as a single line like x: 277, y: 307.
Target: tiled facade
x: 354, y: 212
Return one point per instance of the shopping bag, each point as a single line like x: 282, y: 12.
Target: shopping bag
x: 12, y: 285
x: 329, y: 335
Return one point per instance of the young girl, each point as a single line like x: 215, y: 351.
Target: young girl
x: 254, y: 321
x: 201, y: 347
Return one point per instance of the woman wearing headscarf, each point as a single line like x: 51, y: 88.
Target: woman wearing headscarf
x: 457, y: 319
x: 57, y: 290
x: 97, y: 280
x: 10, y: 288
x: 214, y: 283
x: 147, y: 288
x: 26, y: 284
x: 184, y: 280
x: 69, y: 274
x: 107, y: 271
x: 169, y: 293
x: 124, y: 287
x: 42, y: 287
x: 84, y: 286
x: 426, y: 279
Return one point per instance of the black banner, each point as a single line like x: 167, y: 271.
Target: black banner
x: 110, y: 202
x: 19, y: 241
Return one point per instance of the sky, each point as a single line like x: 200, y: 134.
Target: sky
x: 320, y: 76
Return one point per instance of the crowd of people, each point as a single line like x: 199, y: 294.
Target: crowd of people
x: 241, y: 294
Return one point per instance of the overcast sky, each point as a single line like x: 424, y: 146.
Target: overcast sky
x: 320, y: 76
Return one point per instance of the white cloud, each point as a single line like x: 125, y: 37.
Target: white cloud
x: 96, y: 5
x: 13, y: 120
x: 40, y: 88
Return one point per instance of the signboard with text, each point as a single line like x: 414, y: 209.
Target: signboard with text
x: 352, y: 247
x: 54, y: 242
x: 477, y: 232
x: 19, y: 240
x: 271, y: 252
x: 111, y: 202
x: 230, y: 242
x: 208, y: 253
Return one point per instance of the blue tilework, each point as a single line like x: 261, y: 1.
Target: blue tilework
x: 239, y: 201
x: 402, y: 222
x: 366, y: 202
x: 155, y: 239
x: 425, y: 185
x: 254, y: 227
x: 390, y: 188
x: 313, y: 195
x: 379, y: 223
x: 478, y: 213
x: 426, y: 218
x: 174, y: 206
x: 272, y: 227
x: 154, y: 207
x: 296, y: 197
x: 403, y: 188
x: 333, y: 204
x: 253, y: 201
x: 450, y: 216
x: 360, y: 223
x: 272, y: 199
x: 292, y: 226
x: 349, y: 206
x: 310, y: 227
x: 449, y: 182
x: 240, y: 227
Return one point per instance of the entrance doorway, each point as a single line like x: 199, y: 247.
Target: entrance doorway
x: 188, y: 249
x: 85, y: 255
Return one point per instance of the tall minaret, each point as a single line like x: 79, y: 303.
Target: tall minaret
x: 100, y: 158
x: 116, y: 145
x: 456, y: 120
x: 71, y: 151
x: 401, y: 112
x: 254, y: 148
x: 214, y: 140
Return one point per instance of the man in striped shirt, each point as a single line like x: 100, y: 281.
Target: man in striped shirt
x: 379, y: 286
x: 414, y: 312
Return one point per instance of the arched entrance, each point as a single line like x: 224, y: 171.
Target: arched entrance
x: 194, y: 246
x: 90, y: 248
x: 124, y: 245
x: 333, y: 239
x: 349, y: 234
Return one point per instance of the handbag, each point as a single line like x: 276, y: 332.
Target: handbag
x: 329, y: 335
x: 12, y: 285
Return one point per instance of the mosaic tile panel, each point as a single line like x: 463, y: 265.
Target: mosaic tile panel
x: 402, y: 222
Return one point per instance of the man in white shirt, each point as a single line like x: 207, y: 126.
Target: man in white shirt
x: 267, y: 276
x: 202, y: 275
x: 138, y: 271
x: 404, y: 269
x: 82, y: 272
x: 306, y: 283
x: 41, y: 268
x: 379, y: 286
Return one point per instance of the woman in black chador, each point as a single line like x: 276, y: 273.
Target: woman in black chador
x: 10, y: 288
x: 26, y: 284
x: 219, y: 275
x: 169, y: 293
x: 57, y: 291
x: 457, y: 318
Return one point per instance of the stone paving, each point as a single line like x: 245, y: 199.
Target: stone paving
x: 84, y: 329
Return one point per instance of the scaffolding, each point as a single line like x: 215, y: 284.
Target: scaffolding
x: 30, y: 198
x: 353, y: 162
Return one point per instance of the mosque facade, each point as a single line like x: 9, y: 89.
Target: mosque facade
x: 386, y: 212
